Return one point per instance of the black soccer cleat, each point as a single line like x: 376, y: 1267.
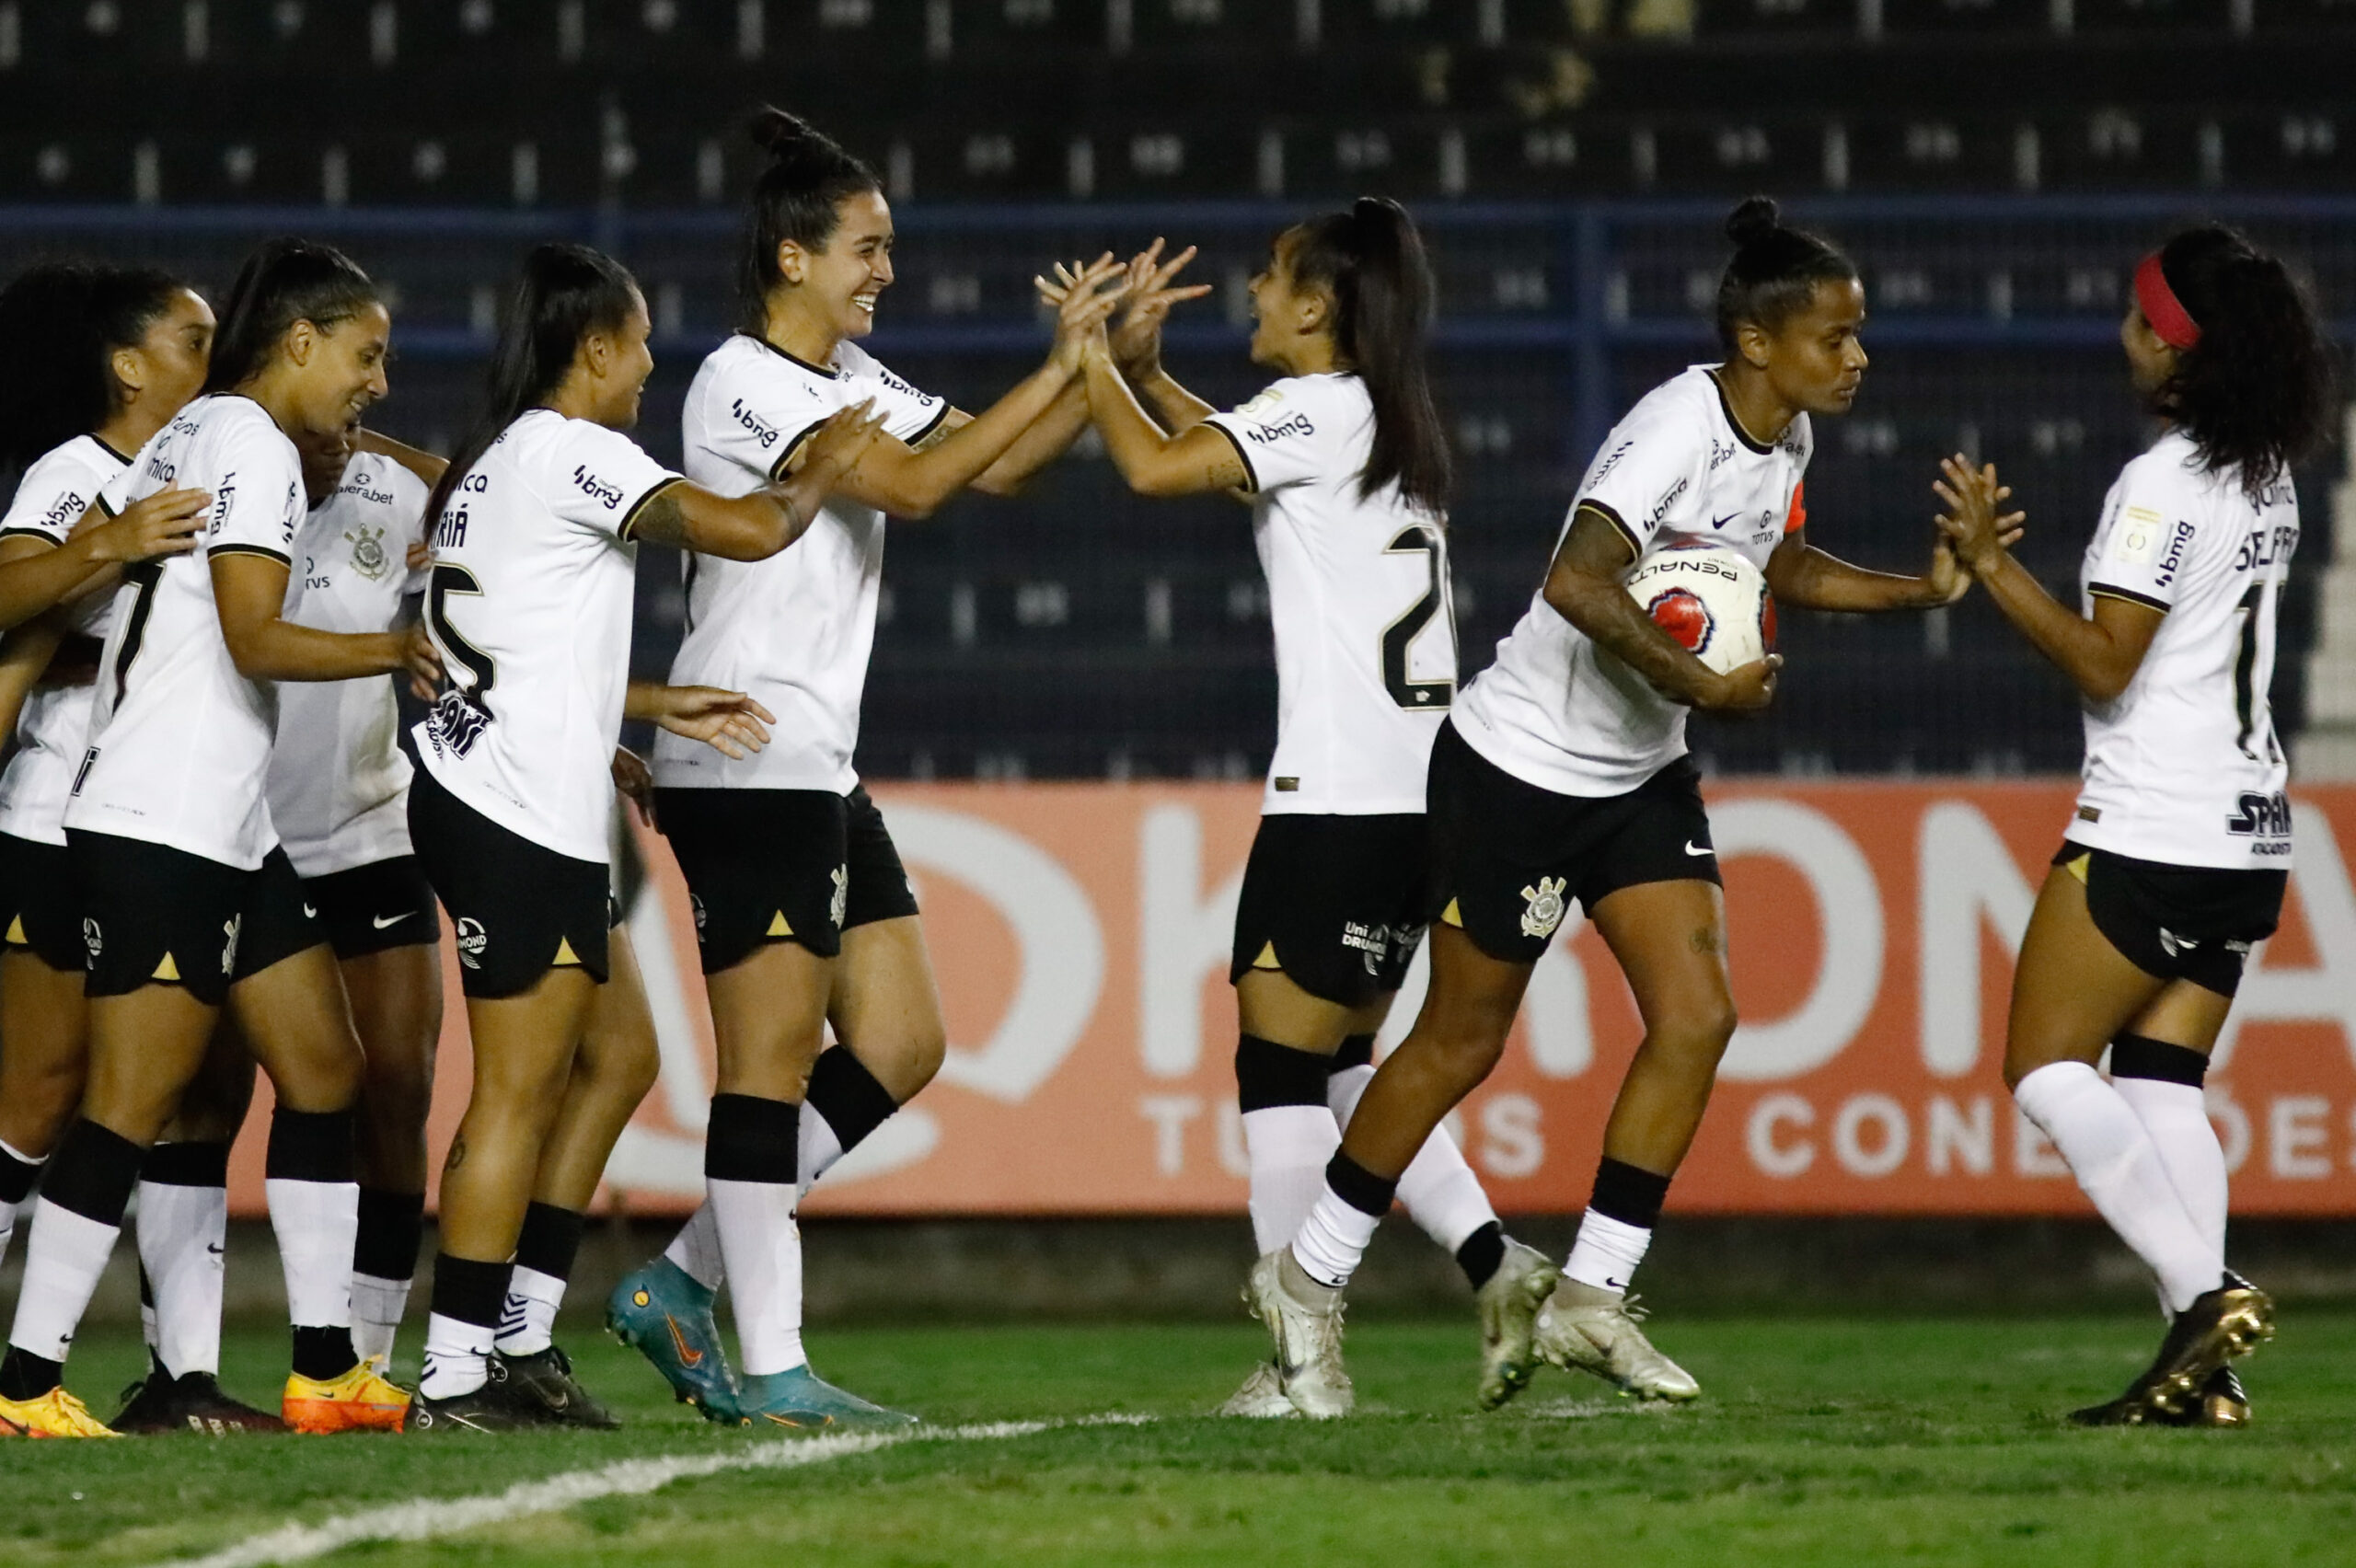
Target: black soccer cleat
x: 543, y: 1383
x: 2224, y: 1403
x: 194, y: 1401
x: 2222, y: 1324
x: 491, y: 1408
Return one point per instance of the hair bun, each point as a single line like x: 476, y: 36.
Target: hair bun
x: 779, y: 133
x: 1754, y: 219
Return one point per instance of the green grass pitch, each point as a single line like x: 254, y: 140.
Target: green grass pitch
x: 1818, y: 1441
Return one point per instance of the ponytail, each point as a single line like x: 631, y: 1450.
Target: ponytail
x: 795, y: 198
x: 1372, y: 260
x: 1775, y: 270
x: 59, y: 323
x: 566, y: 292
x: 284, y: 281
x: 2256, y: 391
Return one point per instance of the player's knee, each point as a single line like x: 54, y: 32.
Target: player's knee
x: 1695, y: 1032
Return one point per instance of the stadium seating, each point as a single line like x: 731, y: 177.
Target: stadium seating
x: 437, y: 138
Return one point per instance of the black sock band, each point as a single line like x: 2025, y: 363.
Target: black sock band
x: 469, y: 1291
x: 323, y: 1353
x: 1627, y: 1194
x: 752, y: 1139
x: 17, y: 1178
x: 392, y: 1228
x: 92, y: 1173
x: 550, y: 1241
x: 1481, y: 1252
x: 1268, y: 1074
x: 187, y: 1165
x: 24, y: 1376
x: 1357, y: 1051
x: 847, y: 1096
x: 2139, y: 1056
x: 310, y: 1146
x: 1359, y: 1187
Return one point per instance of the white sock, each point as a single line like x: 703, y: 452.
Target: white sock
x: 2120, y: 1168
x: 183, y: 1236
x: 527, y: 1322
x: 764, y: 1247
x: 65, y: 1254
x: 1332, y: 1239
x: 376, y: 1308
x: 2176, y: 1117
x: 816, y: 1148
x: 1606, y: 1251
x: 314, y: 1222
x: 1438, y: 1189
x: 695, y: 1250
x: 458, y: 1356
x: 1286, y: 1147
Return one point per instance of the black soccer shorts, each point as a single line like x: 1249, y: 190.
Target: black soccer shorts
x: 40, y: 908
x: 376, y: 908
x: 153, y: 914
x: 2193, y: 923
x: 1334, y: 901
x: 1508, y: 858
x: 781, y: 866
x: 519, y: 908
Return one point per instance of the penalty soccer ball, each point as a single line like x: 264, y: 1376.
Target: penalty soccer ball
x: 1713, y: 601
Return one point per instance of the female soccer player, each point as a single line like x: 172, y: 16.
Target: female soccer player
x: 188, y: 901
x: 529, y: 600
x: 804, y: 911
x: 1348, y: 470
x: 1562, y: 774
x: 2178, y: 857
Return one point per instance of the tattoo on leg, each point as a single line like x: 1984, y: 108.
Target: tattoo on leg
x: 457, y: 1155
x: 1709, y: 940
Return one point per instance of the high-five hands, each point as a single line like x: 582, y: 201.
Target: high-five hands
x: 1973, y: 535
x: 1082, y: 304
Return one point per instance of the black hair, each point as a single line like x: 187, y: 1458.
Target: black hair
x: 1372, y: 259
x: 59, y: 323
x: 565, y: 292
x: 795, y: 198
x: 2257, y: 390
x: 1775, y: 270
x: 284, y: 282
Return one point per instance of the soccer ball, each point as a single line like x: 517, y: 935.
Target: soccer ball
x: 1713, y: 601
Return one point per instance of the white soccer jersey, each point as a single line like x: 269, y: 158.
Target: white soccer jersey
x: 55, y: 719
x: 529, y: 602
x: 1358, y: 594
x: 795, y: 630
x: 339, y: 783
x: 1559, y: 712
x: 2183, y: 766
x: 180, y: 741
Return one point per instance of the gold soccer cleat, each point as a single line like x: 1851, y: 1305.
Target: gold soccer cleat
x: 1584, y: 1329
x: 360, y: 1400
x: 55, y: 1415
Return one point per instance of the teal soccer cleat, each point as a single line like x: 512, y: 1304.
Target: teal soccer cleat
x: 660, y: 1311
x: 803, y: 1401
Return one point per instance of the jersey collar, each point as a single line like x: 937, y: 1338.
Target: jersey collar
x: 829, y: 372
x: 1733, y: 424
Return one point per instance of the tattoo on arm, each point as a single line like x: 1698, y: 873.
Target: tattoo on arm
x: 661, y: 520
x: 1584, y: 587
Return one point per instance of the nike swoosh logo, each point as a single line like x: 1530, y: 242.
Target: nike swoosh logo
x: 689, y: 1358
x: 381, y: 921
x: 1722, y: 522
x: 1690, y: 850
x: 309, y: 913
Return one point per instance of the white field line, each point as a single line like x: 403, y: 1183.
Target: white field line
x: 423, y: 1518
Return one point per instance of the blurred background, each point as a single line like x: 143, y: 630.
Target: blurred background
x: 1996, y: 167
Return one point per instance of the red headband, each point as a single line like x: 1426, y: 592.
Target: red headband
x: 2167, y: 313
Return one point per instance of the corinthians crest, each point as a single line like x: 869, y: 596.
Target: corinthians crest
x: 368, y: 556
x: 1545, y: 911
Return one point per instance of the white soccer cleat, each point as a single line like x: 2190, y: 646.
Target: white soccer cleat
x: 1509, y: 1304
x: 1584, y: 1329
x: 1308, y: 1339
x: 1261, y: 1398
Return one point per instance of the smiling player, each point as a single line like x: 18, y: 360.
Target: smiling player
x: 1562, y: 776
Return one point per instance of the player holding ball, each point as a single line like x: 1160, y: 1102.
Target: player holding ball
x: 1562, y: 776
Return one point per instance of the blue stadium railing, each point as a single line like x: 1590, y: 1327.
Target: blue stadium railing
x: 1994, y: 327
